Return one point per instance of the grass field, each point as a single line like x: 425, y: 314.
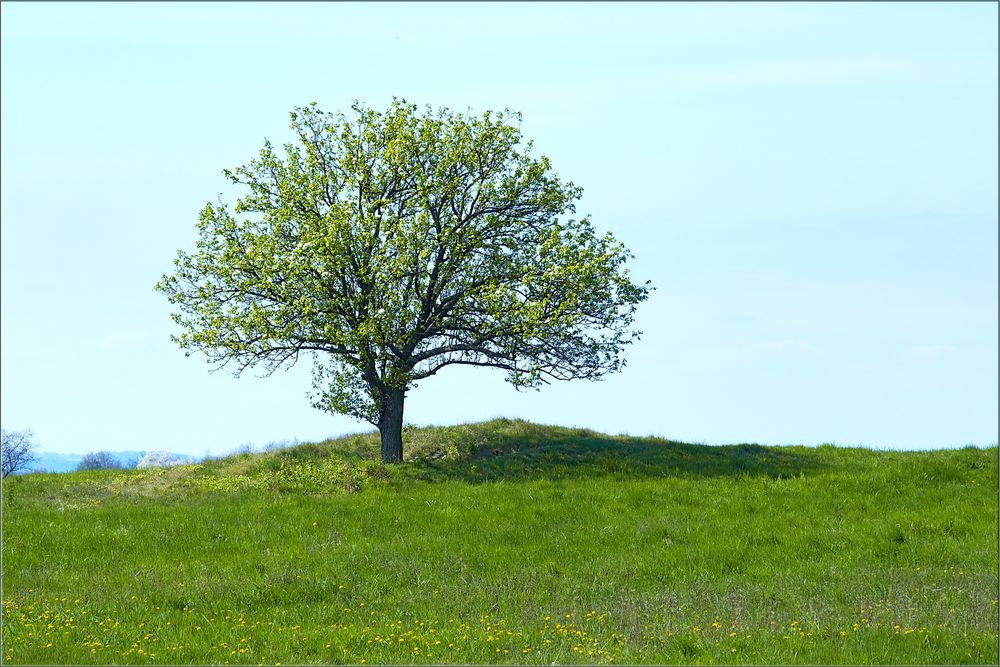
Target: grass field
x: 509, y: 542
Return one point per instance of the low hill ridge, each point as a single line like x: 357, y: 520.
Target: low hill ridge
x: 502, y: 449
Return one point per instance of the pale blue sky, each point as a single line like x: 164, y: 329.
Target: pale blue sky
x: 812, y: 188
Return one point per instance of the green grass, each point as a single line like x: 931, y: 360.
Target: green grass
x: 509, y: 542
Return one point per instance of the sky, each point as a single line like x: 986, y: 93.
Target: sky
x: 811, y: 188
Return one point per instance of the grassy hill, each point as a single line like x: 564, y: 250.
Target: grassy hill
x: 509, y: 542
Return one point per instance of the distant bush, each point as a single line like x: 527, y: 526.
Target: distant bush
x: 280, y: 444
x: 161, y: 459
x: 99, y: 461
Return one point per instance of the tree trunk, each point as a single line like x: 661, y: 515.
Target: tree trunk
x: 390, y: 426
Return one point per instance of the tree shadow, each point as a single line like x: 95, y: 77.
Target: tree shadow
x: 530, y: 451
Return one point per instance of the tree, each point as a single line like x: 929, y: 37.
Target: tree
x: 99, y: 461
x: 17, y: 451
x: 390, y: 245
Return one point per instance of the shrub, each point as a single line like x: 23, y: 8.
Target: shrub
x: 99, y: 461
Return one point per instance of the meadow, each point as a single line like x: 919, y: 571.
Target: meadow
x: 507, y: 542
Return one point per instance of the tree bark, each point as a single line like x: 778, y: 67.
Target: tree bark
x: 390, y: 425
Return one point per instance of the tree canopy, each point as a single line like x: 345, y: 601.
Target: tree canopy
x: 391, y: 244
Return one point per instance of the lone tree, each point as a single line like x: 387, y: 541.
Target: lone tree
x: 392, y: 244
x: 17, y: 451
